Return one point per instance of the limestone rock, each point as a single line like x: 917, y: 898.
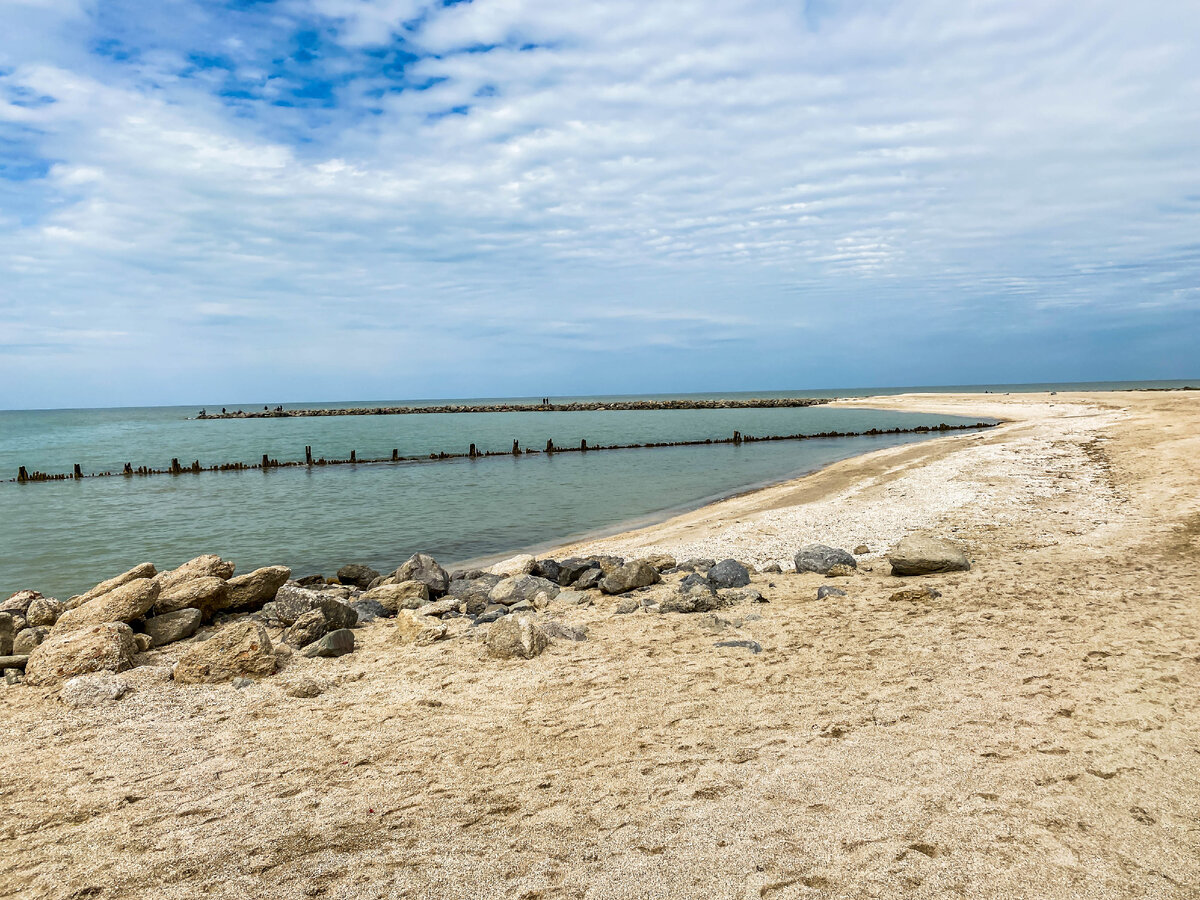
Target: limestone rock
x: 208, y: 566
x: 19, y: 602
x: 522, y: 564
x: 145, y: 570
x: 236, y: 650
x: 303, y: 687
x: 423, y: 568
x: 772, y: 568
x: 440, y: 607
x: 573, y: 598
x: 734, y: 596
x: 252, y: 590
x: 44, y: 611
x: 92, y: 690
x: 28, y: 638
x: 820, y: 559
x: 311, y: 626
x: 635, y: 574
x: 916, y: 595
x: 357, y: 575
x: 922, y: 555
x: 694, y: 594
x: 752, y: 646
x: 626, y: 606
x: 336, y: 643
x: 861, y: 549
x: 13, y: 662
x: 840, y: 570
x: 728, y: 573
x: 701, y: 565
x: 143, y: 641
x: 207, y: 593
x: 173, y: 626
x: 515, y: 637
x: 561, y: 631
x: 395, y: 597
x: 130, y: 601
x: 661, y: 561
x: 108, y: 647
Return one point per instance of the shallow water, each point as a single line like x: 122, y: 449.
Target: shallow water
x: 62, y: 537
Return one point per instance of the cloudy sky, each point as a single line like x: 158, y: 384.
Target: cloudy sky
x: 338, y: 199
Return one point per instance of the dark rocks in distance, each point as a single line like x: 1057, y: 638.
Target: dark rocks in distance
x: 357, y: 575
x: 728, y: 573
x: 820, y: 559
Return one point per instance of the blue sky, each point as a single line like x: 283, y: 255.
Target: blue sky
x: 324, y: 199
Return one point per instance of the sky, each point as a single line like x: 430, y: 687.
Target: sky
x: 341, y: 199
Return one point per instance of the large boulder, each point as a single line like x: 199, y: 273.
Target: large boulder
x: 252, y: 590
x: 126, y: 603
x: 423, y: 568
x: 207, y: 593
x: 145, y: 570
x: 241, y: 649
x: 173, y: 626
x: 694, y: 594
x: 357, y: 575
x: 515, y: 637
x: 570, y: 569
x: 728, y: 573
x: 820, y: 559
x: 208, y: 566
x: 311, y: 626
x: 19, y: 602
x: 395, y: 597
x: 635, y: 574
x: 511, y: 591
x: 922, y: 555
x: 109, y: 647
x: 292, y: 602
x: 523, y: 564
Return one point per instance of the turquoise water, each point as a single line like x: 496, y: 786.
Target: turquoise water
x: 62, y: 537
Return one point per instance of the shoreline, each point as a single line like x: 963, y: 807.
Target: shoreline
x: 1026, y: 728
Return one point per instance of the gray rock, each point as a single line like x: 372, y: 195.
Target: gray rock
x: 207, y: 566
x: 521, y: 606
x: 772, y: 568
x: 173, y: 626
x: 661, y: 561
x: 734, y: 596
x: 423, y: 568
x: 13, y: 676
x: 357, y: 575
x: 241, y: 682
x: 515, y: 637
x: 589, y: 580
x: 311, y: 626
x: 561, y: 631
x: 921, y: 555
x: 303, y: 687
x: 14, y: 662
x: 240, y: 649
x: 820, y: 559
x: 570, y: 569
x: 628, y: 605
x: 92, y: 690
x: 440, y: 607
x: 573, y: 598
x: 8, y: 631
x: 28, y: 638
x: 491, y: 614
x: 546, y: 568
x: 336, y: 643
x: 292, y: 602
x: 628, y: 577
x: 511, y: 591
x: 696, y: 565
x: 369, y: 610
x: 313, y: 581
x: 752, y: 646
x: 252, y: 590
x: 694, y: 594
x: 44, y: 611
x: 827, y: 590
x: 714, y: 624
x: 728, y: 573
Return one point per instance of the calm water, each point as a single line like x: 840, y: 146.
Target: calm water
x: 62, y: 537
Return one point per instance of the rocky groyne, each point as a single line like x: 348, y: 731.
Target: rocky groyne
x: 574, y: 406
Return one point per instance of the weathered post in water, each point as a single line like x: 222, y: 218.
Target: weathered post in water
x: 549, y: 446
x: 175, y: 470
x: 737, y: 437
x: 395, y: 455
x: 516, y: 449
x: 472, y: 453
x: 353, y: 456
x: 78, y: 472
x: 583, y: 445
x: 307, y: 455
x: 266, y: 462
x: 22, y: 475
x: 128, y: 473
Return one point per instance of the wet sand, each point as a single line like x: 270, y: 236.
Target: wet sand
x: 1034, y: 732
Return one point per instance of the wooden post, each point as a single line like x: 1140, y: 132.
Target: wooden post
x: 737, y: 437
x: 549, y: 446
x: 78, y: 473
x: 196, y: 465
x: 175, y: 466
x: 128, y: 473
x: 22, y: 475
x: 472, y: 452
x: 353, y: 456
x: 395, y: 454
x: 307, y: 455
x: 516, y: 448
x: 266, y: 462
x: 583, y: 445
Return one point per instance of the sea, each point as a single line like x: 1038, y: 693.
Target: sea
x: 61, y: 537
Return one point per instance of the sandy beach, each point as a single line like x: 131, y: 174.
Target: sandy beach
x: 1033, y: 732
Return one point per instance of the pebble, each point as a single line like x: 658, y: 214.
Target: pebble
x: 752, y: 646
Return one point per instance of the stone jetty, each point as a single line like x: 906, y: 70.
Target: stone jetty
x: 574, y: 406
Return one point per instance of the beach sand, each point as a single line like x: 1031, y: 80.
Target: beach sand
x: 1033, y: 732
